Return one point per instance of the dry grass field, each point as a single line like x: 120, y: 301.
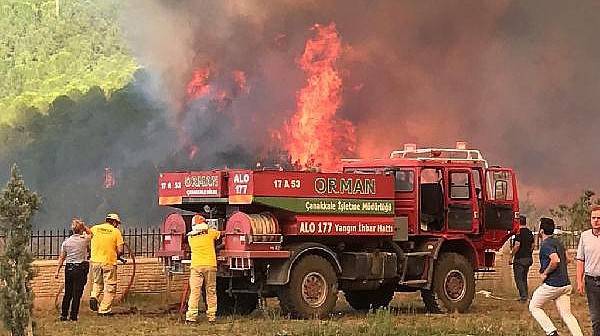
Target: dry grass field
x: 501, y: 315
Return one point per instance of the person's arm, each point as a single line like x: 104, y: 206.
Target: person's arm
x: 61, y: 260
x: 580, y: 257
x: 552, y: 266
x: 219, y: 243
x: 515, y: 248
x: 88, y: 231
x: 120, y: 244
x: 580, y: 282
x: 516, y: 244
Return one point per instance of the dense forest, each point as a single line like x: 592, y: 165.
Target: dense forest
x: 51, y: 48
x: 73, y: 102
x: 68, y: 111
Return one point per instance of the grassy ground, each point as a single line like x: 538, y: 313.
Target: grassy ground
x: 144, y: 315
x: 488, y: 316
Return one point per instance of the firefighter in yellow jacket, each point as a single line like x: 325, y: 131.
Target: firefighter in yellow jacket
x: 203, y: 269
x: 106, y: 247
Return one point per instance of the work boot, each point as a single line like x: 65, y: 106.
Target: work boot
x: 73, y: 318
x: 94, y: 304
x: 62, y: 318
x: 212, y: 319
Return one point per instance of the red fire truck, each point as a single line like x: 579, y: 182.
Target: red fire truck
x: 421, y: 220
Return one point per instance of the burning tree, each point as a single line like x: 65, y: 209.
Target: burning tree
x: 17, y: 206
x: 316, y: 136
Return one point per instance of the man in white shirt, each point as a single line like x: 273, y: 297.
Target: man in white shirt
x: 588, y: 268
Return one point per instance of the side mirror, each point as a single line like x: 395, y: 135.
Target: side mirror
x: 500, y: 188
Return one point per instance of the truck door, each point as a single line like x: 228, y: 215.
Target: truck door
x: 501, y: 205
x: 461, y: 201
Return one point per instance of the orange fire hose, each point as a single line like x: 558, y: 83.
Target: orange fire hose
x: 184, y: 294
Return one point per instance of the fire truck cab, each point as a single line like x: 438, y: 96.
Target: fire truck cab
x: 421, y: 220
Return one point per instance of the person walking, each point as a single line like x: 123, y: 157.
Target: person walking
x: 74, y: 250
x: 107, y: 246
x: 203, y: 269
x: 555, y: 282
x: 522, y: 258
x: 588, y: 268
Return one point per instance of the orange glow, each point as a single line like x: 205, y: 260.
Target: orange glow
x: 192, y: 151
x: 241, y: 81
x: 198, y: 86
x: 316, y: 137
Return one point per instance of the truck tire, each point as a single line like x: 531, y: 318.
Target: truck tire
x: 312, y: 289
x: 363, y: 300
x: 453, y: 287
x: 238, y: 304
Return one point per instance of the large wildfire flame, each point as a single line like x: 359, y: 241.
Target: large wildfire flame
x: 316, y: 137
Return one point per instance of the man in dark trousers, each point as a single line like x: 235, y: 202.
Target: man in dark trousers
x: 522, y: 258
x: 74, y: 251
x: 588, y: 267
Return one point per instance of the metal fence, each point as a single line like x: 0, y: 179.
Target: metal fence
x: 570, y: 239
x: 45, y: 244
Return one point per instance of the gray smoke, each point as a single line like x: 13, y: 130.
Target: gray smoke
x: 516, y: 79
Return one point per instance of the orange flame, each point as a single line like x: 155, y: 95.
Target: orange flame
x: 198, y: 86
x: 315, y: 136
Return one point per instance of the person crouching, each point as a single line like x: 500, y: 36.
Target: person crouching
x: 203, y: 269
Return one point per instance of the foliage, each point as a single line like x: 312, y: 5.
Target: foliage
x: 64, y: 152
x: 577, y: 215
x: 44, y: 55
x: 17, y: 206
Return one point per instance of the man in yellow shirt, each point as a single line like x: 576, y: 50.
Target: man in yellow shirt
x: 203, y: 269
x: 106, y: 246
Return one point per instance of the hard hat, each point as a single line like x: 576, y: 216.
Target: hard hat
x: 198, y: 219
x: 113, y: 216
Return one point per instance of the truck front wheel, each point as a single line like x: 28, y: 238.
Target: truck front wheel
x: 312, y: 289
x: 453, y: 287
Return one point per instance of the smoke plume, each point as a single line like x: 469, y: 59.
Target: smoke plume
x: 514, y: 79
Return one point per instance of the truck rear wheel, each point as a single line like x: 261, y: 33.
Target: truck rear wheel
x: 453, y: 287
x: 362, y: 300
x: 312, y: 289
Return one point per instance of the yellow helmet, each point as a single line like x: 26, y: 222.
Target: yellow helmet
x: 113, y: 216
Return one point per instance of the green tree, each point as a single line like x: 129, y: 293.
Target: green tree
x: 577, y: 215
x: 17, y: 206
x: 44, y: 55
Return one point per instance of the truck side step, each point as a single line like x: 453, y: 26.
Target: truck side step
x: 412, y: 282
x: 417, y: 254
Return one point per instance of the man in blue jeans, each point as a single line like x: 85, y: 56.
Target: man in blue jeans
x: 522, y: 258
x: 555, y: 283
x: 588, y: 268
